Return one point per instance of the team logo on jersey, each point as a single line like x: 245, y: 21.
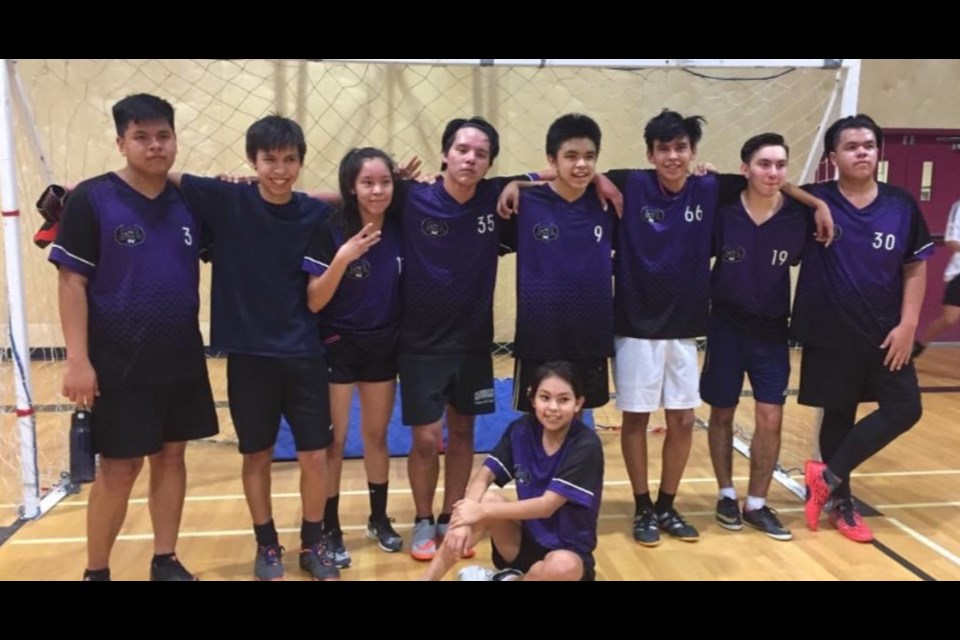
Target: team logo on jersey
x: 837, y: 232
x: 521, y: 474
x: 546, y: 232
x: 358, y: 269
x: 652, y: 214
x: 129, y: 236
x: 434, y: 228
x: 732, y: 254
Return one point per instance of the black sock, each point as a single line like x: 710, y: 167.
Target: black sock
x: 331, y: 513
x: 418, y: 519
x: 266, y: 534
x: 160, y: 559
x: 643, y: 502
x: 96, y: 575
x: 310, y: 533
x: 664, y: 502
x: 832, y: 480
x: 378, y: 501
x: 444, y: 518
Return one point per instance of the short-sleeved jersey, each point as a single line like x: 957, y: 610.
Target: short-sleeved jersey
x: 140, y: 258
x: 450, y: 253
x: 575, y: 472
x: 564, y: 276
x: 663, y: 245
x: 952, y: 234
x: 259, y: 292
x: 849, y: 295
x: 750, y: 282
x: 368, y: 296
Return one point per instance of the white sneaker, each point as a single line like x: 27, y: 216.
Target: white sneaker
x: 475, y: 573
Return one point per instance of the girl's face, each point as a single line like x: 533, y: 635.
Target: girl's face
x: 555, y: 404
x: 374, y: 187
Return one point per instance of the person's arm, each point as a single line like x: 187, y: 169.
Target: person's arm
x: 821, y: 212
x: 321, y: 287
x: 469, y: 512
x: 508, y: 203
x: 899, y: 342
x: 79, y: 378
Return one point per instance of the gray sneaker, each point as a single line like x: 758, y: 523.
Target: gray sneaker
x: 268, y: 565
x: 317, y: 560
x: 765, y: 519
x: 341, y: 557
x: 423, y: 541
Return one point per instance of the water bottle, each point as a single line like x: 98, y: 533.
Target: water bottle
x: 82, y: 459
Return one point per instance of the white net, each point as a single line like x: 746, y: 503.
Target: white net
x: 401, y: 108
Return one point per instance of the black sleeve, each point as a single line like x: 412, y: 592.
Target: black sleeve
x: 320, y: 250
x: 731, y: 184
x: 508, y: 235
x: 618, y: 177
x: 919, y: 239
x: 206, y: 197
x: 581, y: 471
x: 78, y: 236
x: 497, y: 184
x: 500, y: 459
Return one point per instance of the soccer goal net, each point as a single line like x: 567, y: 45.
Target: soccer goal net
x: 62, y: 132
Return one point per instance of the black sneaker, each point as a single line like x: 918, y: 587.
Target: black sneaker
x: 767, y: 521
x: 335, y: 546
x: 382, y: 531
x: 645, y: 529
x: 674, y: 524
x: 171, y: 571
x: 318, y: 562
x: 728, y: 514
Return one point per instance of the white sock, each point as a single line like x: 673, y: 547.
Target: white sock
x: 728, y: 492
x: 753, y: 503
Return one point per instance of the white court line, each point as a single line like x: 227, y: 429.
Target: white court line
x: 608, y: 483
x: 360, y: 527
x: 924, y: 540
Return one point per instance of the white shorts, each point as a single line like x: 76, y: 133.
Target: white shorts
x: 650, y: 374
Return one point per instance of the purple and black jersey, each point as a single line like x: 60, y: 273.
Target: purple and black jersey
x: 450, y: 266
x: 849, y: 295
x: 663, y: 245
x: 564, y: 276
x: 140, y: 258
x: 368, y: 296
x: 575, y: 472
x: 259, y: 293
x: 750, y: 283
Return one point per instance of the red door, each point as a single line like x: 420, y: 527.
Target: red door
x: 905, y: 152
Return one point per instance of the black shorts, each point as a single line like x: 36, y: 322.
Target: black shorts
x: 362, y: 357
x: 951, y: 296
x: 532, y: 552
x: 840, y: 379
x: 261, y: 389
x: 593, y: 371
x: 134, y: 422
x: 429, y: 382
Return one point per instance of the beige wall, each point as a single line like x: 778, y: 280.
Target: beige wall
x: 912, y: 93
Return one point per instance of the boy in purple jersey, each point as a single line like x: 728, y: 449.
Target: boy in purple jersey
x: 855, y: 312
x: 661, y: 302
x: 260, y: 319
x: 951, y: 275
x: 127, y: 252
x: 550, y: 532
x: 564, y: 268
x: 757, y: 238
x: 354, y: 262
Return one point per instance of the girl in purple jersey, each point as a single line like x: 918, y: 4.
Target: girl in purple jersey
x: 550, y: 532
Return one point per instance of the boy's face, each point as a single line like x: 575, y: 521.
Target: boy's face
x: 672, y: 159
x: 856, y: 154
x: 277, y: 170
x: 468, y: 159
x: 575, y: 163
x: 149, y: 147
x: 767, y: 171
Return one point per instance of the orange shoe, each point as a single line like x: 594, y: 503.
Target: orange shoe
x: 845, y: 518
x: 818, y: 492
